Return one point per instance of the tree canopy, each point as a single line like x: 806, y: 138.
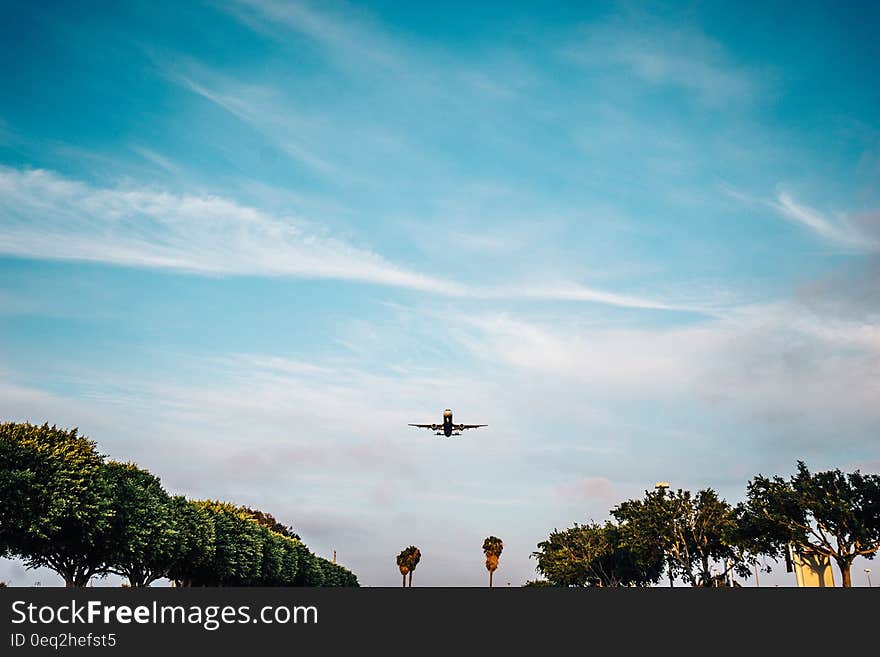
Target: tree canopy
x: 54, y: 507
x: 407, y: 561
x: 596, y: 555
x: 63, y: 506
x: 828, y: 513
x: 492, y: 548
x: 141, y: 538
x: 693, y: 533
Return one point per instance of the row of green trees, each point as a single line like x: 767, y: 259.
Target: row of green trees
x: 702, y: 539
x: 65, y: 507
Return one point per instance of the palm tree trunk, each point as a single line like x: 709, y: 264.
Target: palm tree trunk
x: 410, y: 578
x: 490, y: 579
x: 404, y: 580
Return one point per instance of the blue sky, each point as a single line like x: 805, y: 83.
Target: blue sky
x: 245, y: 243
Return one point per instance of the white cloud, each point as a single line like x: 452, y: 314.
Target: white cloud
x: 659, y: 54
x: 47, y: 216
x: 261, y: 108
x: 856, y: 234
x: 838, y: 230
x: 44, y: 215
x: 158, y: 160
x: 349, y: 35
x: 780, y: 363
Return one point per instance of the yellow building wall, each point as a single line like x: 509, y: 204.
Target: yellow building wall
x: 813, y: 570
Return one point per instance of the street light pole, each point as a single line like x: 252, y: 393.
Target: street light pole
x: 868, y: 575
x: 661, y: 486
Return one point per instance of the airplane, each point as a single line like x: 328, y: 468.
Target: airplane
x: 447, y: 428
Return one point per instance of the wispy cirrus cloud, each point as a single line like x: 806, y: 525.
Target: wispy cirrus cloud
x: 158, y: 160
x: 670, y: 55
x: 45, y: 215
x: 839, y: 229
x: 345, y: 35
x: 857, y: 233
x: 258, y: 107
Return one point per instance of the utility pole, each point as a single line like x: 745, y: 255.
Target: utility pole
x: 757, y: 583
x: 661, y: 486
x: 334, y: 556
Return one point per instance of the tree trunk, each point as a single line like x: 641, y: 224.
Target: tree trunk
x: 490, y: 579
x: 404, y: 580
x: 846, y: 577
x: 410, y: 578
x: 68, y: 581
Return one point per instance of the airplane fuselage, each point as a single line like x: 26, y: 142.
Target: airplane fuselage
x: 447, y: 423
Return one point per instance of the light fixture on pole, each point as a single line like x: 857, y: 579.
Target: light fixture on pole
x: 661, y: 486
x: 868, y: 575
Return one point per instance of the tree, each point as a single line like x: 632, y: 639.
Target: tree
x: 692, y: 532
x: 238, y: 547
x: 141, y: 537
x: 492, y: 548
x: 407, y: 561
x: 269, y: 521
x: 54, y: 506
x: 414, y: 556
x: 828, y: 513
x: 310, y: 572
x: 595, y: 555
x: 192, y: 529
x: 403, y: 563
x: 62, y: 506
x: 336, y: 575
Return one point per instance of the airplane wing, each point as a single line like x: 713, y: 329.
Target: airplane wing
x: 433, y: 427
x: 462, y: 427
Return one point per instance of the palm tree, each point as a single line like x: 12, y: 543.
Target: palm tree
x: 492, y: 548
x: 403, y: 563
x: 414, y: 554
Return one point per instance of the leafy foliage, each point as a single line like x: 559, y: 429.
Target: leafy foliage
x: 193, y: 533
x: 269, y: 521
x: 140, y: 539
x: 596, y: 555
x: 407, y: 561
x: 693, y: 532
x: 64, y: 507
x: 828, y: 513
x: 492, y: 548
x: 54, y: 507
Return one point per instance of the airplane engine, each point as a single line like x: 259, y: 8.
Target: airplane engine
x: 435, y: 427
